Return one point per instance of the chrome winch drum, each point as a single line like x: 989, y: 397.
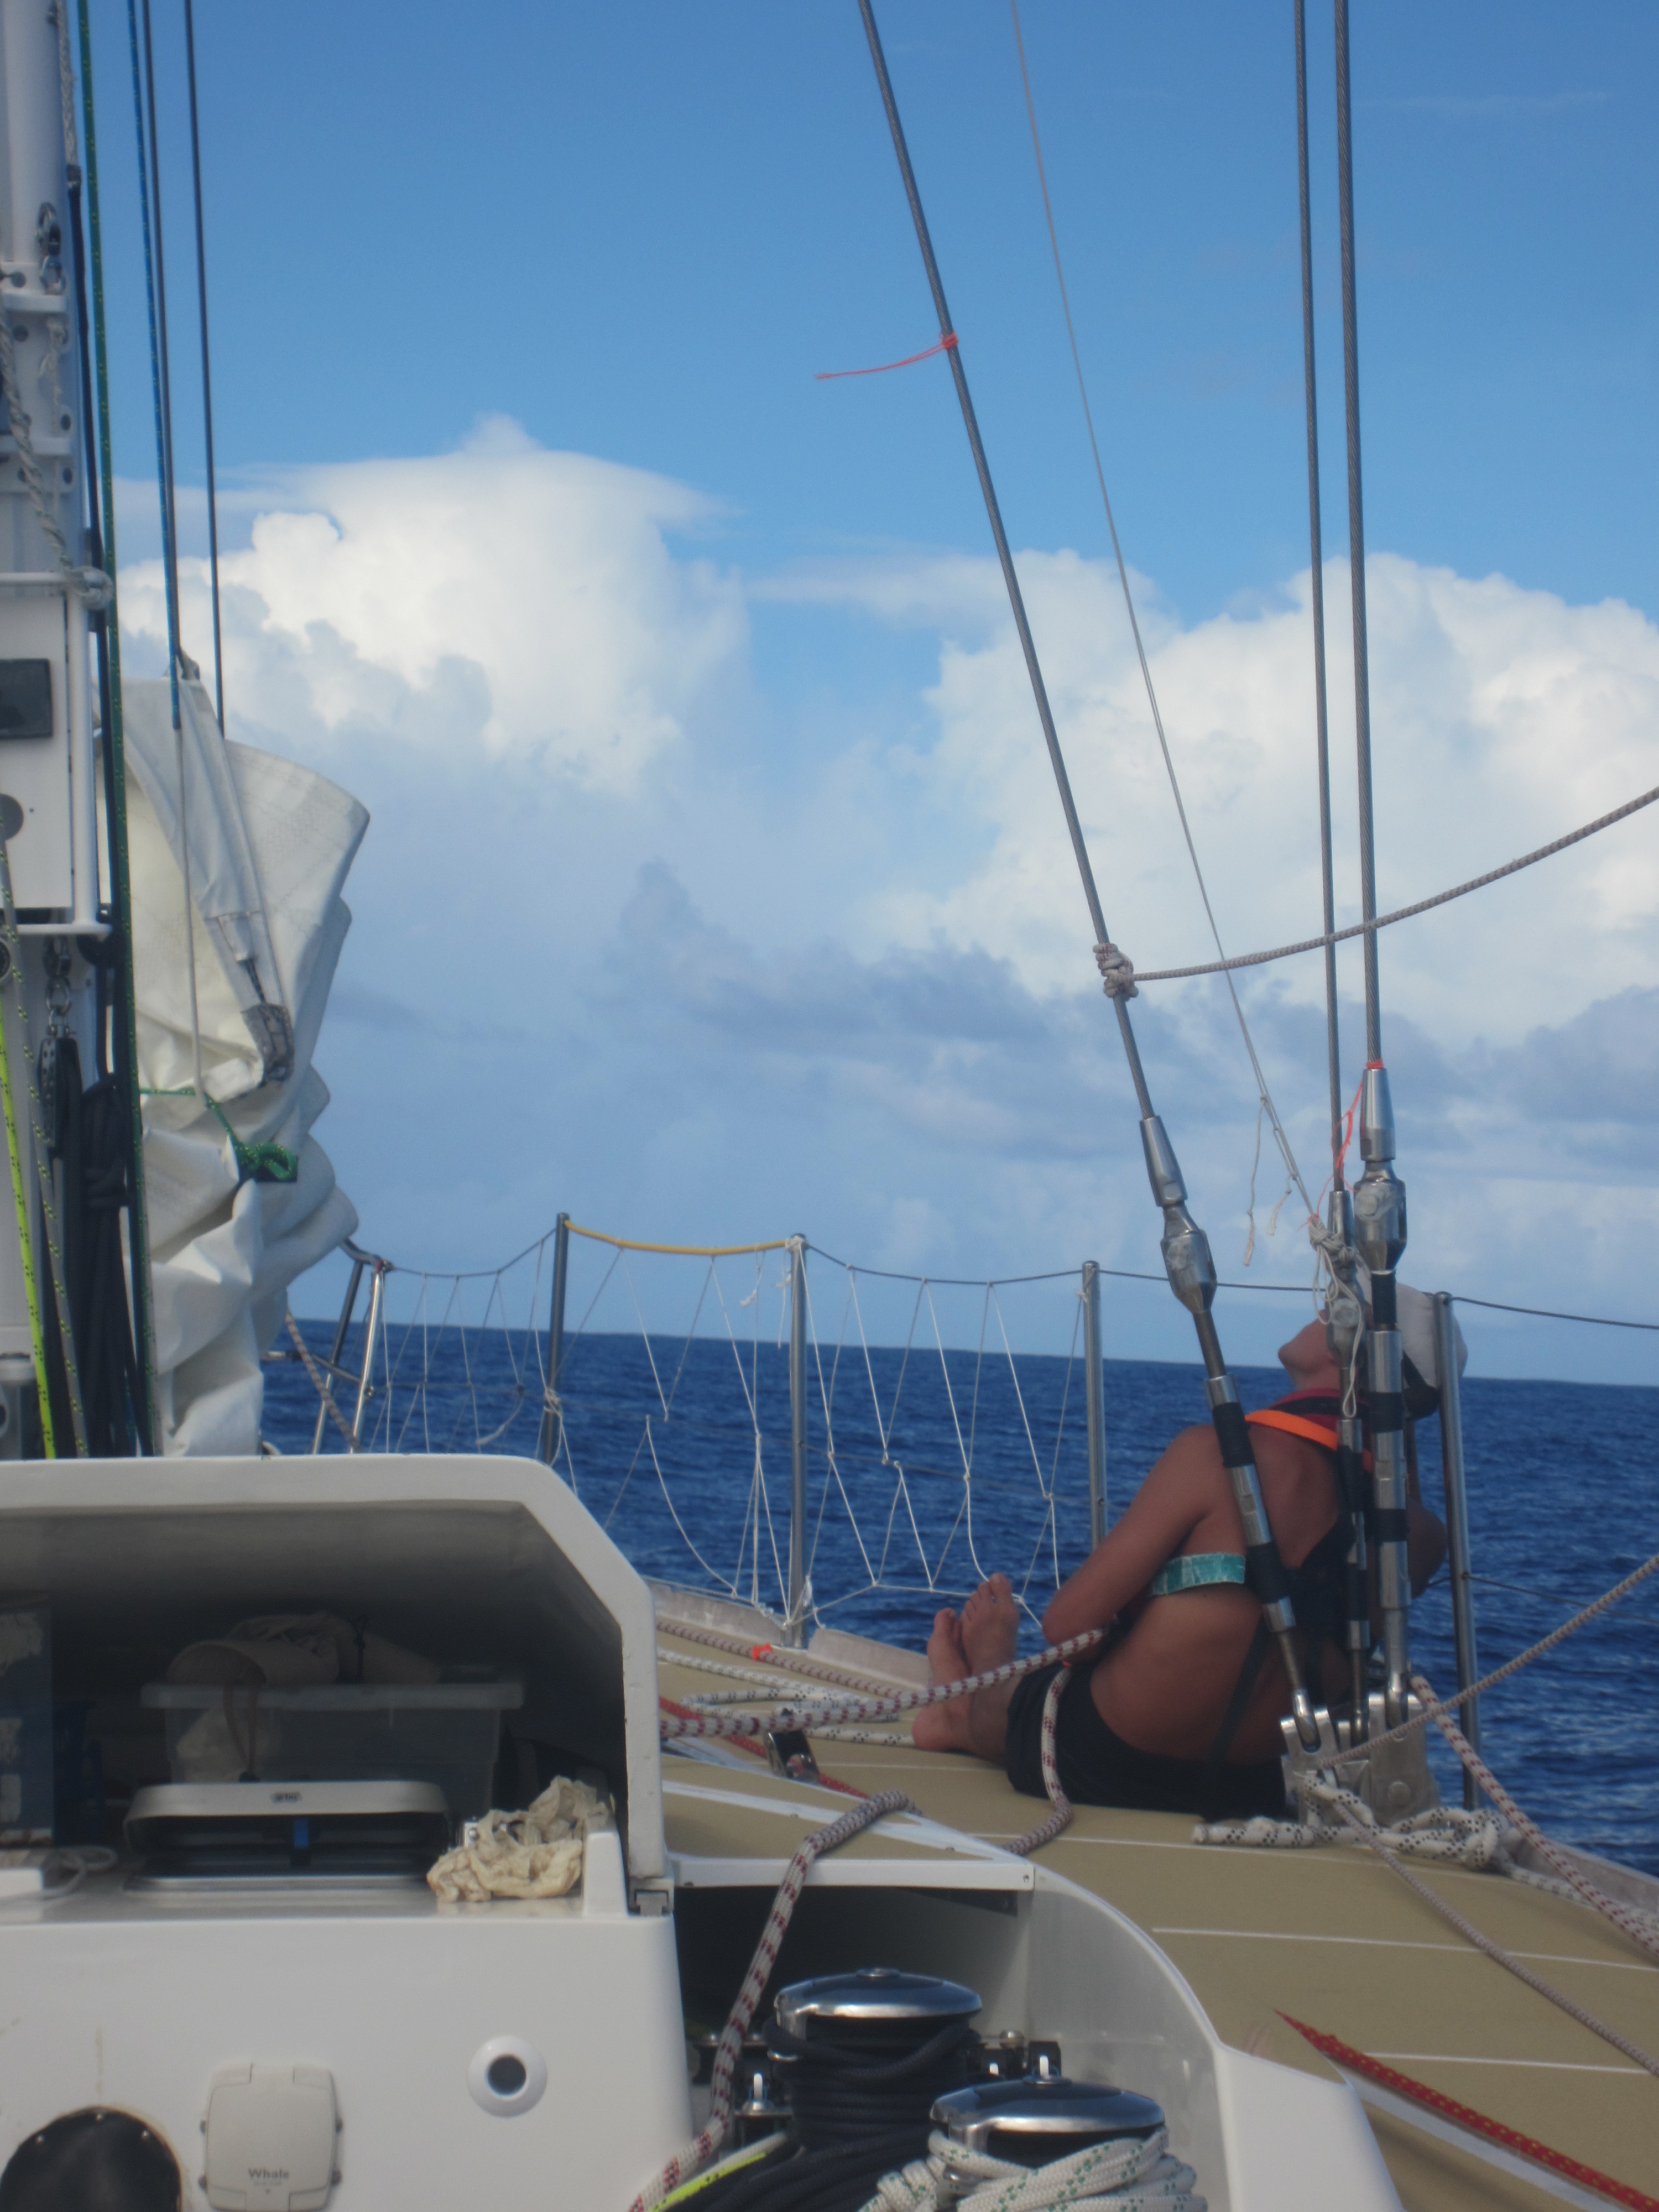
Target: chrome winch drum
x: 864, y: 2057
x: 873, y: 2009
x: 1034, y: 2122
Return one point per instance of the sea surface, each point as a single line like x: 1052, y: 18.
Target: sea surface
x: 929, y: 1470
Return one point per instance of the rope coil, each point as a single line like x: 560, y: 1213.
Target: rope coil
x: 1113, y: 2177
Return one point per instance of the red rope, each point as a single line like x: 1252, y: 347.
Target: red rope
x: 1356, y: 2061
x: 948, y: 344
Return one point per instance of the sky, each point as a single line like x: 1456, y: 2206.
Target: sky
x: 716, y: 887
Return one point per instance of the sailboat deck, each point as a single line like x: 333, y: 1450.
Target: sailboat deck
x: 1330, y: 1937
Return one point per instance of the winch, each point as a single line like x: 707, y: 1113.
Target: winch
x: 867, y: 2053
x: 1033, y: 2123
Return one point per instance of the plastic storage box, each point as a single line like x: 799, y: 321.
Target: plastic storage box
x: 444, y: 1732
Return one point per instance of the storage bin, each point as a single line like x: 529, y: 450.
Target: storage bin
x: 443, y: 1732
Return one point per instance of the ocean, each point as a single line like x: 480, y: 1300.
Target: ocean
x: 928, y: 1470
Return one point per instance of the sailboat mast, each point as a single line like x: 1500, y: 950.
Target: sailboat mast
x: 1185, y: 1249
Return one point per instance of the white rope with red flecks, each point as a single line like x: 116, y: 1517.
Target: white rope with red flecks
x: 708, y: 2139
x: 1061, y: 1818
x: 672, y: 1726
x: 1638, y: 1926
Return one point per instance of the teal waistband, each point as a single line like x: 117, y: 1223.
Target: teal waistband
x: 1195, y: 1570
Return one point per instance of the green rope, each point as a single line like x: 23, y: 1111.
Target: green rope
x: 258, y: 1163
x: 26, y: 1244
x: 126, y: 1010
x: 254, y: 1162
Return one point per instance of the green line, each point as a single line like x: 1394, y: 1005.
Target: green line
x: 27, y: 1247
x: 120, y: 877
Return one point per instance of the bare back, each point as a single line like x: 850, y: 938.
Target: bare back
x: 1165, y: 1684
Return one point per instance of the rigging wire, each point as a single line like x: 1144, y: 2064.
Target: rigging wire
x: 1316, y: 571
x: 149, y: 203
x: 1406, y: 913
x: 207, y: 377
x: 143, y: 97
x: 1362, y: 686
x: 1280, y: 1138
x: 115, y: 796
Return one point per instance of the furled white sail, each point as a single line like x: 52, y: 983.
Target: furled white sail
x: 270, y: 845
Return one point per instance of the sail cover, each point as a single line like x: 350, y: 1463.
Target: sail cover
x: 269, y: 844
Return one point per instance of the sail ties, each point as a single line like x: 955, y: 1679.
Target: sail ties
x: 1117, y: 972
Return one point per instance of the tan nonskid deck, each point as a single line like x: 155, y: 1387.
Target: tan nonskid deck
x: 1330, y: 1937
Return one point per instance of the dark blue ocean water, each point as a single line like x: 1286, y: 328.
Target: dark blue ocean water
x: 694, y: 1487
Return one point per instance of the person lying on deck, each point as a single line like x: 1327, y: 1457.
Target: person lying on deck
x: 1179, y: 1710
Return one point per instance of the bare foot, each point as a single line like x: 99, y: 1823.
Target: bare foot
x: 943, y: 1727
x: 990, y: 1625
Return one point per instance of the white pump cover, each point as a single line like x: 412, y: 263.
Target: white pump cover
x: 270, y: 843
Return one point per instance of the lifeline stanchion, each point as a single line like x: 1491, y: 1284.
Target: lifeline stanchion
x: 551, y: 1432
x: 1187, y: 1256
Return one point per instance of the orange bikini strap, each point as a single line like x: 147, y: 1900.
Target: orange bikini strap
x: 1295, y: 1425
x: 1322, y: 1433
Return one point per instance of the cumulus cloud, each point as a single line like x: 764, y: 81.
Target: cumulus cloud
x: 1500, y: 717
x: 521, y: 602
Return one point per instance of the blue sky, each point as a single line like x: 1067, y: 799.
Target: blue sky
x: 759, y: 921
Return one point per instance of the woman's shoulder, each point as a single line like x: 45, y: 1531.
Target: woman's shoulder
x: 1192, y: 1455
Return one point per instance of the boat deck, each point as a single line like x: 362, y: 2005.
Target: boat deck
x: 1330, y: 1937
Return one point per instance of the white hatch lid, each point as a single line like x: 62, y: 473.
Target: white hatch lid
x: 270, y: 2139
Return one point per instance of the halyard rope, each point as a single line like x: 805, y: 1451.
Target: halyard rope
x: 1061, y: 1818
x: 321, y: 1381
x: 1361, y: 1816
x: 1434, y: 1708
x: 867, y: 1708
x: 1470, y: 1840
x: 1641, y: 1928
x: 709, y: 2138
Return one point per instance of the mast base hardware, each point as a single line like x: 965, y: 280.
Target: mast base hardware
x: 1394, y: 1779
x: 789, y: 1753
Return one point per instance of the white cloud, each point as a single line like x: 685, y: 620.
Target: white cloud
x: 531, y: 594
x: 1500, y: 718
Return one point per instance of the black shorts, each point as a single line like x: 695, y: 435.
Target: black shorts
x: 1098, y: 1768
